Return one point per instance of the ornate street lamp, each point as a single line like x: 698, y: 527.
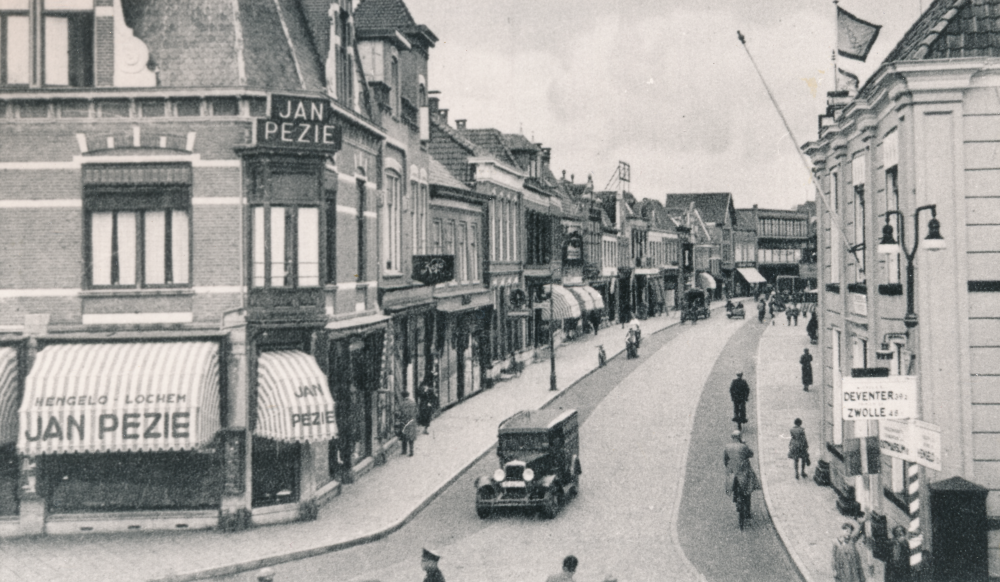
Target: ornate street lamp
x: 932, y: 242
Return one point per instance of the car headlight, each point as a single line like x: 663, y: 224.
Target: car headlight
x: 528, y: 474
x: 498, y: 475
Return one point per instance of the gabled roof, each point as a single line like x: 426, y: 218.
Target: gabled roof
x: 492, y: 141
x: 373, y: 18
x: 712, y: 207
x: 656, y: 214
x: 516, y: 141
x: 196, y: 44
x: 746, y: 220
x: 438, y: 175
x: 451, y: 149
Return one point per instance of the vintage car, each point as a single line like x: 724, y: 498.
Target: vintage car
x: 539, y: 463
x: 695, y: 306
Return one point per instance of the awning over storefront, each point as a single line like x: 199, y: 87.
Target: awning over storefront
x: 8, y: 395
x: 293, y: 399
x: 583, y: 298
x: 751, y: 275
x: 594, y: 294
x: 564, y: 302
x: 103, y: 397
x: 706, y: 281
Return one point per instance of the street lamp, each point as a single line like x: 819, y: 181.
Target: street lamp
x: 932, y: 242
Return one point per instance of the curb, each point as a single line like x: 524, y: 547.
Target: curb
x: 778, y: 527
x: 246, y: 566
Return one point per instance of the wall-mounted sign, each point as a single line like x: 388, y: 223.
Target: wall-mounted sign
x: 913, y: 441
x: 433, y: 269
x: 573, y: 249
x: 300, y: 123
x: 892, y: 398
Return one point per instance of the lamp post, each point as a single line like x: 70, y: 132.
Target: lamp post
x: 552, y: 336
x: 932, y: 242
x: 889, y: 246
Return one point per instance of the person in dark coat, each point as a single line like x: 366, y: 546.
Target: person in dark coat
x: 406, y: 420
x: 807, y: 369
x: 798, y: 448
x: 429, y: 562
x: 812, y: 328
x: 741, y: 480
x: 426, y: 403
x: 761, y: 310
x: 897, y: 563
x: 739, y: 392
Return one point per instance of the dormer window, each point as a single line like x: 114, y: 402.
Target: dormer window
x: 60, y: 32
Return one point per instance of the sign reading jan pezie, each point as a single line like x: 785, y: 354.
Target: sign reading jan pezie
x: 299, y: 123
x: 892, y: 398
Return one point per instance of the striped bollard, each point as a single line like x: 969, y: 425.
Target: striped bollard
x: 913, y: 491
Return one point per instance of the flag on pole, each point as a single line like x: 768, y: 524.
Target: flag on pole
x: 855, y: 37
x: 847, y: 81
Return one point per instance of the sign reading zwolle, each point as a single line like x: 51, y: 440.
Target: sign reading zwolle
x: 299, y: 123
x: 891, y: 398
x: 914, y: 442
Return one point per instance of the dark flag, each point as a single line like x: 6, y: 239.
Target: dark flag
x: 855, y: 37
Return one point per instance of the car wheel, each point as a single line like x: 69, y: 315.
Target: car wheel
x: 483, y: 511
x: 550, y: 504
x: 484, y: 502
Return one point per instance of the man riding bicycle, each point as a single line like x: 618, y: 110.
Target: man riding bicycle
x: 741, y: 480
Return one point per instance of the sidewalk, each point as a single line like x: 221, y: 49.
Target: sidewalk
x: 804, y: 514
x: 372, y: 508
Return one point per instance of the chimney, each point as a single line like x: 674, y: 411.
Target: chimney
x: 460, y: 124
x: 572, y: 177
x: 443, y: 116
x: 564, y: 175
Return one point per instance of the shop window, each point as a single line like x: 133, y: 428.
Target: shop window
x: 139, y: 248
x: 63, y: 35
x: 276, y: 468
x: 285, y: 246
x: 131, y: 481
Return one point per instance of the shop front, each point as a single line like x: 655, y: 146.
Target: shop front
x: 749, y: 281
x: 9, y: 392
x: 462, y: 323
x: 120, y: 436
x: 591, y: 304
x: 557, y: 303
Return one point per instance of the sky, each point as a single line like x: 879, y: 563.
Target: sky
x: 664, y: 85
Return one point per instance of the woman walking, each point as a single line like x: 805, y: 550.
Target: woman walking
x: 798, y: 449
x: 807, y: 369
x: 425, y: 405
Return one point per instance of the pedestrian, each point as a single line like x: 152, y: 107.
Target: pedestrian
x: 761, y: 310
x: 897, y: 563
x: 595, y: 320
x: 568, y: 569
x: 741, y: 480
x: 406, y: 420
x: 739, y: 392
x: 798, y: 448
x: 770, y: 306
x: 788, y: 315
x: 807, y: 369
x: 429, y: 562
x: 638, y: 335
x: 426, y: 403
x: 795, y: 313
x: 846, y: 559
x: 265, y: 575
x: 812, y: 328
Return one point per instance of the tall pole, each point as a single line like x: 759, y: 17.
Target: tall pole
x: 552, y: 337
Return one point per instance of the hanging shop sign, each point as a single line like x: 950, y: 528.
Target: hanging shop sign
x: 433, y: 269
x: 573, y: 249
x: 914, y: 441
x: 299, y: 123
x: 891, y: 398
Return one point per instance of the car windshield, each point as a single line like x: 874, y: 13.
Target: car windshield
x: 524, y: 441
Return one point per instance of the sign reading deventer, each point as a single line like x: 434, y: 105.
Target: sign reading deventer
x: 892, y: 397
x: 299, y: 123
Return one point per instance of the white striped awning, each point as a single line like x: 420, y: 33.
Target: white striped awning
x: 595, y: 295
x: 8, y: 395
x: 752, y: 275
x: 564, y: 302
x: 293, y: 399
x: 103, y: 397
x: 584, y: 298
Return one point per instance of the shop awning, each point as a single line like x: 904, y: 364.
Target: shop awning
x: 293, y: 399
x: 8, y: 395
x: 595, y: 295
x: 706, y: 281
x: 565, y: 304
x: 751, y: 275
x: 105, y: 397
x: 585, y: 300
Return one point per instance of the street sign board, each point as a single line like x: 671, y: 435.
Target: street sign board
x: 913, y: 441
x: 891, y: 398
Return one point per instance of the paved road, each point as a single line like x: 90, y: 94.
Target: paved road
x: 637, y: 419
x: 707, y: 524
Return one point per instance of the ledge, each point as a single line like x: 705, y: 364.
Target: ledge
x: 891, y: 289
x: 131, y: 292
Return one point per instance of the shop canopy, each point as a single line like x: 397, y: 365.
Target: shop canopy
x: 564, y: 303
x: 752, y: 275
x: 594, y: 294
x: 110, y: 397
x: 583, y: 298
x: 293, y: 399
x: 8, y: 396
x: 706, y: 281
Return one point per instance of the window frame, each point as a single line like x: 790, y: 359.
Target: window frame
x: 291, y: 242
x: 392, y: 240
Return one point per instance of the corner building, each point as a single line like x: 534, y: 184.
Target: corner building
x: 922, y: 131
x: 189, y: 230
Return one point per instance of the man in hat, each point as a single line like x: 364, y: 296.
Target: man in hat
x: 429, y: 562
x: 739, y: 392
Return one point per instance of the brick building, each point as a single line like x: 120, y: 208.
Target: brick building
x: 179, y: 201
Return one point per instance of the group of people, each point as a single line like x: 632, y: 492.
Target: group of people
x: 854, y: 561
x: 632, y: 340
x: 412, y: 414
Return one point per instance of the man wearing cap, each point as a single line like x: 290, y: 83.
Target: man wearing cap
x: 739, y: 392
x: 429, y: 562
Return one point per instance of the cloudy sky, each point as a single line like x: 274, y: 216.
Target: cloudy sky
x: 661, y: 84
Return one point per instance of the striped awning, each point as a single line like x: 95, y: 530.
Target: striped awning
x: 751, y: 275
x: 8, y: 395
x: 103, y: 397
x: 595, y: 295
x: 706, y: 281
x: 564, y: 303
x: 584, y: 298
x: 293, y: 399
